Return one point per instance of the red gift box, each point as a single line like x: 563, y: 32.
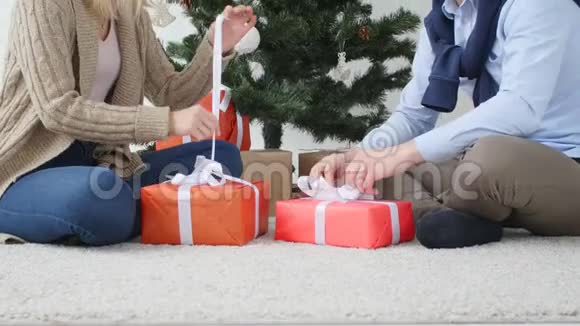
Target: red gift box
x: 355, y: 224
x: 234, y: 128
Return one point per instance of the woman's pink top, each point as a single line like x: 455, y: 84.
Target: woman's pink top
x: 108, y: 66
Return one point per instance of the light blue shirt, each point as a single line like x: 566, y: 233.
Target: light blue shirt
x: 536, y: 62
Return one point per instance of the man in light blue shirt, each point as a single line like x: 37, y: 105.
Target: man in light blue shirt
x: 508, y: 162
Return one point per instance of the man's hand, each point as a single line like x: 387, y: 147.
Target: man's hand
x: 195, y: 121
x: 369, y: 166
x: 238, y: 22
x: 332, y: 167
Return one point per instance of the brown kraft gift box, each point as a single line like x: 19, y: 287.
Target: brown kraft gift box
x: 306, y: 161
x: 273, y: 167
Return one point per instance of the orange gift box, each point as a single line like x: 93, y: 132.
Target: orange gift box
x: 234, y: 128
x: 355, y: 224
x: 204, y: 215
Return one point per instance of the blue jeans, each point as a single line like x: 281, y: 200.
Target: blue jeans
x: 70, y: 198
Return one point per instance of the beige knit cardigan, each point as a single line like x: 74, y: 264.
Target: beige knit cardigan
x: 50, y: 70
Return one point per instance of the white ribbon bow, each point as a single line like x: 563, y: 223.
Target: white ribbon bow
x: 206, y: 172
x: 320, y: 189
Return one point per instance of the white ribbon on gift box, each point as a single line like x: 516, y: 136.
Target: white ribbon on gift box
x: 224, y: 105
x: 206, y: 172
x: 240, y: 123
x: 319, y: 189
x: 186, y: 139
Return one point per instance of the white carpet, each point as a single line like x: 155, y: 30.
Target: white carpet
x: 521, y: 279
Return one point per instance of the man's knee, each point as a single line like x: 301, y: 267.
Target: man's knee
x: 488, y: 161
x: 483, y: 175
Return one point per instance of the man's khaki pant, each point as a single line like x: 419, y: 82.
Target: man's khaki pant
x: 509, y: 180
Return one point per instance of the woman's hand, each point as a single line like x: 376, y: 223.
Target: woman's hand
x: 369, y: 166
x: 195, y: 121
x: 238, y: 22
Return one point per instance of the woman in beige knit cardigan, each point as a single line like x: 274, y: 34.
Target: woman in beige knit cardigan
x: 71, y: 103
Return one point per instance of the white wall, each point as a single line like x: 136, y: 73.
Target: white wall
x: 293, y: 139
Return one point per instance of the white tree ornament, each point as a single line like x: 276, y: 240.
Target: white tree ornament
x: 250, y: 42
x: 342, y: 72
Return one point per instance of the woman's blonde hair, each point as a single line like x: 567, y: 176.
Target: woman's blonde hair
x: 111, y: 8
